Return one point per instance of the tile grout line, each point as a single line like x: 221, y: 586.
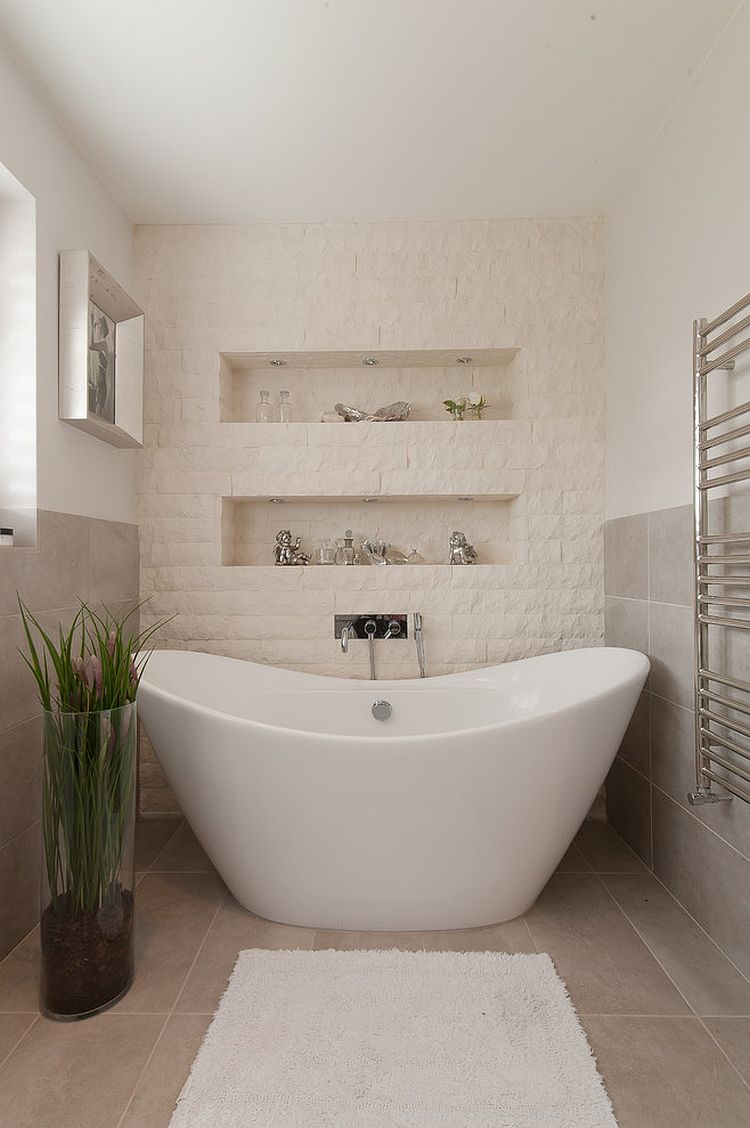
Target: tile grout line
x: 150, y: 869
x: 680, y: 992
x: 18, y: 1041
x: 651, y: 873
x: 171, y: 1012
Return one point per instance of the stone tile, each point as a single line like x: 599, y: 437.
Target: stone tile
x: 56, y: 573
x: 182, y: 853
x: 233, y: 930
x: 366, y: 941
x: 673, y: 771
x: 151, y: 836
x: 629, y: 807
x: 733, y: 1035
x: 605, y: 850
x: 12, y: 1029
x: 626, y: 557
x: 672, y: 747
x: 606, y: 966
x: 635, y: 748
x: 670, y: 554
x: 157, y: 1092
x: 665, y: 1073
x: 709, y: 982
x: 19, y: 881
x: 626, y: 623
x: 573, y: 861
x: 19, y: 694
x: 510, y: 936
x: 20, y: 778
x: 76, y: 1074
x: 19, y: 976
x: 173, y: 914
x: 671, y: 652
x: 707, y: 876
x: 115, y: 561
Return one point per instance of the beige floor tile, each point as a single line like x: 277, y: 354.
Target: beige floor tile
x: 511, y: 936
x: 173, y: 913
x: 157, y: 1092
x: 151, y: 836
x: 19, y: 976
x: 367, y: 941
x: 233, y: 930
x: 76, y: 1074
x: 12, y: 1029
x: 666, y: 1073
x: 733, y: 1035
x: 605, y: 850
x: 709, y: 982
x: 573, y: 861
x: 606, y: 966
x: 183, y: 853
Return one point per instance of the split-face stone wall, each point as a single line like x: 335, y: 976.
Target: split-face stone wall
x: 534, y: 285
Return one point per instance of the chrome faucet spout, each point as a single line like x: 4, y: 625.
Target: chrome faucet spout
x: 346, y: 633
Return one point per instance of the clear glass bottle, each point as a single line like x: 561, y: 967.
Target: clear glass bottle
x: 285, y: 408
x: 346, y: 553
x: 415, y: 557
x: 263, y: 410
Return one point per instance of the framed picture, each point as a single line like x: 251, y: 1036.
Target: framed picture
x: 101, y: 353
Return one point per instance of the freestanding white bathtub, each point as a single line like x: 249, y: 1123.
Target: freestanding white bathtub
x: 452, y: 813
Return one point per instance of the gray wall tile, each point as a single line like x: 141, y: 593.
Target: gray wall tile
x: 670, y: 555
x: 19, y: 881
x: 710, y: 879
x: 671, y: 653
x: 626, y: 557
x: 636, y: 744
x: 20, y: 778
x: 115, y: 561
x: 626, y: 623
x: 629, y: 807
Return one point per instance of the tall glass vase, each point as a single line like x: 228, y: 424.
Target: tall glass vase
x: 88, y: 820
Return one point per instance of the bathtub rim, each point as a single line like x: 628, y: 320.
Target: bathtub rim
x: 417, y: 684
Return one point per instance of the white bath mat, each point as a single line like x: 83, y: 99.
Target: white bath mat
x: 373, y: 1039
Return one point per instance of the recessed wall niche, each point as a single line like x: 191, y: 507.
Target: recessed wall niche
x: 249, y: 526
x: 369, y: 380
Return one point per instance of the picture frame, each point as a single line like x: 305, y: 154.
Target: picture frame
x: 101, y: 352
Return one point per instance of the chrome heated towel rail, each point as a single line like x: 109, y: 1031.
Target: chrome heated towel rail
x: 722, y: 566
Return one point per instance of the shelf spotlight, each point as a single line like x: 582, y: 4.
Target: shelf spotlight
x: 277, y: 500
x: 278, y: 363
x: 464, y: 359
x: 370, y: 361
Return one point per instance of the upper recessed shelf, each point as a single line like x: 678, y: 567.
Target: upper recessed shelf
x: 405, y: 358
x: 368, y: 380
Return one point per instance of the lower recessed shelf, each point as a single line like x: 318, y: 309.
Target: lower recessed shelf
x: 250, y: 524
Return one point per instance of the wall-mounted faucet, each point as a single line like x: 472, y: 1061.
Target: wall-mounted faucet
x: 347, y: 632
x: 370, y: 627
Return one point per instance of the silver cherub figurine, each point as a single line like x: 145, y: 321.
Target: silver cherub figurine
x: 460, y: 551
x: 286, y: 550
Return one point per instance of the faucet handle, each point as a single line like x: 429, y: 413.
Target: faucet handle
x: 417, y: 620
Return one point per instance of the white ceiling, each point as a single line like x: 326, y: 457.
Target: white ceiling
x: 262, y: 110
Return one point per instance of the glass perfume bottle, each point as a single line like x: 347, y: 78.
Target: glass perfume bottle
x: 414, y: 557
x: 346, y: 553
x: 263, y: 410
x: 285, y: 408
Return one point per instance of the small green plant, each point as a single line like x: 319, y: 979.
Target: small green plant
x: 87, y: 681
x: 456, y: 408
x: 476, y: 403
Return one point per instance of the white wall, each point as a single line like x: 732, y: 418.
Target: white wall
x: 679, y: 248
x: 76, y: 472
